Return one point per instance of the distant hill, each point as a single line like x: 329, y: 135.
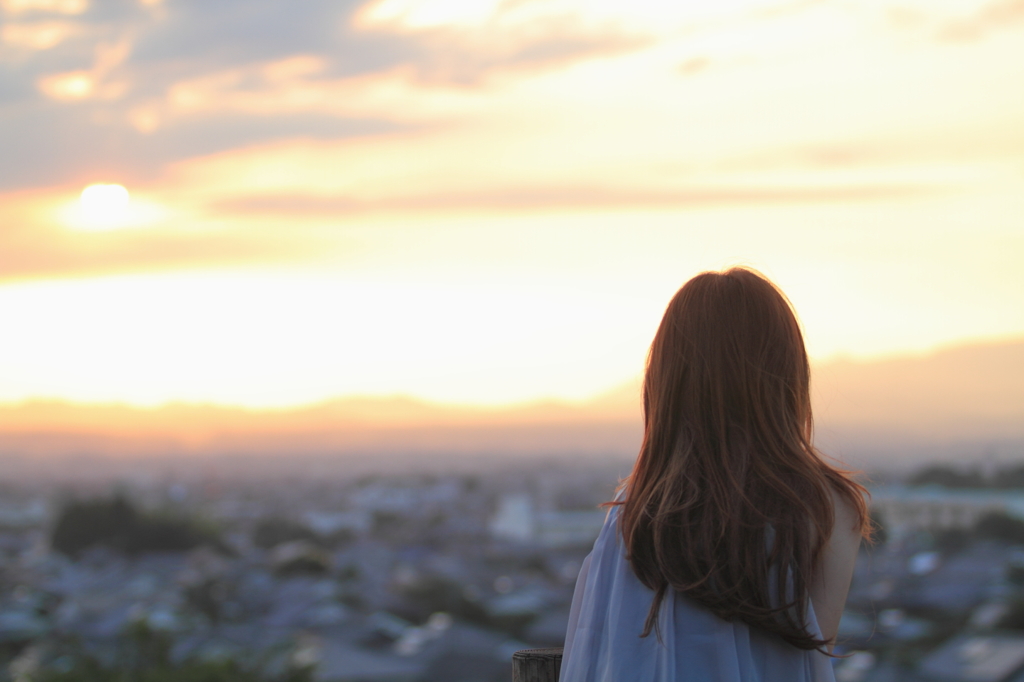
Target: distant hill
x: 957, y: 401
x: 607, y: 425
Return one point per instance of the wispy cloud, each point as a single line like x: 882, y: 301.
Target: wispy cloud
x: 468, y: 43
x: 132, y: 87
x: 92, y: 82
x: 81, y: 255
x: 35, y: 35
x: 989, y: 17
x: 17, y: 7
x: 425, y: 152
x: 953, y: 22
x: 533, y: 199
x: 35, y: 244
x: 84, y: 84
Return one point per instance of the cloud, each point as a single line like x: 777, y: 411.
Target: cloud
x: 409, y: 16
x: 467, y: 43
x: 547, y: 198
x: 125, y: 90
x: 49, y: 6
x: 52, y: 255
x: 128, y: 88
x: 353, y: 425
x: 76, y: 92
x: 549, y: 143
x: 990, y: 17
x: 888, y: 412
x: 68, y: 86
x: 34, y: 244
x: 447, y: 59
x: 955, y: 22
x: 296, y: 85
x: 36, y: 35
x: 91, y: 83
x: 192, y: 37
x: 83, y: 84
x: 51, y: 145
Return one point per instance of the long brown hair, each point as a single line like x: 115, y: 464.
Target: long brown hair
x: 729, y: 503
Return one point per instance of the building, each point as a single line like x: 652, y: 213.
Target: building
x: 905, y: 508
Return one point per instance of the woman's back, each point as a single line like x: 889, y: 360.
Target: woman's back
x: 731, y: 528
x: 610, y: 607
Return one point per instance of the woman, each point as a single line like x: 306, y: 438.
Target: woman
x: 729, y: 550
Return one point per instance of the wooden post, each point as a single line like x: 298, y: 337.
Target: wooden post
x: 536, y: 665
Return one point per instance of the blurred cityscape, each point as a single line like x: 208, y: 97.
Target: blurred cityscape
x: 299, y: 572
x: 308, y: 572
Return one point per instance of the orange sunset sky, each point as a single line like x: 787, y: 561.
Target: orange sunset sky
x: 485, y: 202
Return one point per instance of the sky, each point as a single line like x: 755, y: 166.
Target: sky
x: 488, y: 202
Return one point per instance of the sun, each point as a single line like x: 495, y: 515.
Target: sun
x: 104, y: 206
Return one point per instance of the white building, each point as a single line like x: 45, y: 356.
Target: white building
x: 514, y: 519
x: 517, y: 520
x: 569, y: 528
x: 934, y: 508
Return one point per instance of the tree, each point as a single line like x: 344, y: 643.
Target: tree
x: 948, y: 478
x: 274, y: 531
x: 145, y: 656
x: 1000, y: 526
x: 117, y: 524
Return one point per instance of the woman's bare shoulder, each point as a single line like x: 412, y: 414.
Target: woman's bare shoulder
x: 846, y: 528
x: 846, y: 523
x: 835, y: 566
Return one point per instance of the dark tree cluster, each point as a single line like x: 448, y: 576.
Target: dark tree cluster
x: 431, y: 594
x: 1000, y: 526
x: 145, y: 656
x: 116, y: 523
x: 997, y: 526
